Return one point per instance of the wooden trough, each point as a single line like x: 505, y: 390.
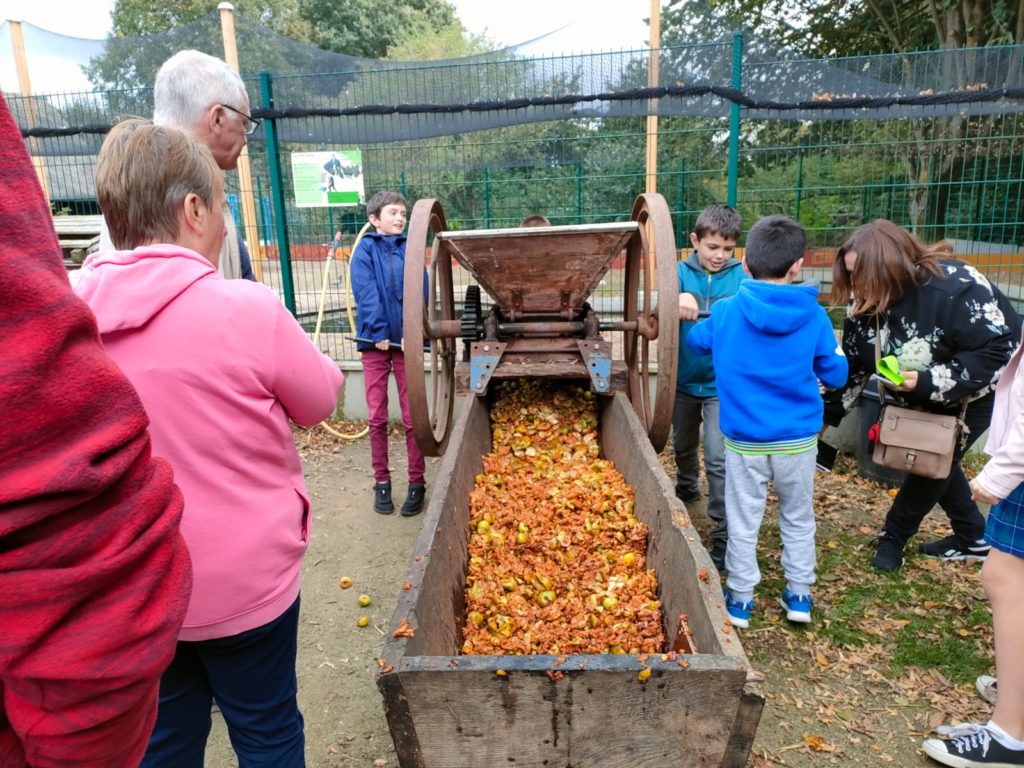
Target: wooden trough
x: 450, y: 711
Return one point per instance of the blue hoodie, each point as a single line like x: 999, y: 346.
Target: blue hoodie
x: 696, y: 374
x: 771, y: 343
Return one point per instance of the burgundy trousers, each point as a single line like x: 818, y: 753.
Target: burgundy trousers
x: 377, y: 365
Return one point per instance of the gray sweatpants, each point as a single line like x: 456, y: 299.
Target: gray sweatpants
x: 746, y: 490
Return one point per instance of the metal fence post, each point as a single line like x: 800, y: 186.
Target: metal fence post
x: 277, y: 194
x: 681, y: 205
x: 734, y: 117
x: 487, y: 198
x: 799, y: 180
x: 579, y: 192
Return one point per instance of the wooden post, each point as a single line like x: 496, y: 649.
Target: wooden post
x: 21, y: 65
x: 256, y: 255
x: 653, y: 81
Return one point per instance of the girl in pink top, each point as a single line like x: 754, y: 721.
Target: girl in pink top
x: 1001, y: 483
x: 221, y: 367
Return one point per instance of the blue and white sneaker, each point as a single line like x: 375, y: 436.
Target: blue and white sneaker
x: 739, y: 612
x: 798, y: 607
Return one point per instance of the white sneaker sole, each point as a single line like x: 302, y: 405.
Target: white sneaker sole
x: 936, y: 750
x: 797, y: 617
x: 738, y: 622
x: 955, y: 555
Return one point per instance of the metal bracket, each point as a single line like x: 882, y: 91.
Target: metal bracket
x: 597, y: 355
x: 484, y: 357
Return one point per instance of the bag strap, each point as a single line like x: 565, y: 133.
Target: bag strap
x: 878, y: 356
x: 881, y: 389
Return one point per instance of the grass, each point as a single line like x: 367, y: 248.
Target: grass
x: 930, y: 615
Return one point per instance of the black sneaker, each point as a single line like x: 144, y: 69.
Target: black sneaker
x: 718, y: 555
x: 413, y: 504
x: 969, y: 745
x: 953, y: 548
x: 382, y: 503
x: 688, y: 496
x: 888, y: 554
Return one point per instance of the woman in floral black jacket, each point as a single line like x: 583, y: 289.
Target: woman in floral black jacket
x: 952, y: 332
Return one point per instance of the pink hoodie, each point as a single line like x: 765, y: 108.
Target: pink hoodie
x: 220, y: 366
x: 1005, y: 470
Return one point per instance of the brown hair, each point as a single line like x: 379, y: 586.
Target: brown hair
x: 889, y: 260
x: 144, y: 172
x: 381, y: 200
x: 718, y: 219
x: 535, y: 220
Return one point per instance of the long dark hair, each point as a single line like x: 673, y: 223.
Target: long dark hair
x: 889, y: 260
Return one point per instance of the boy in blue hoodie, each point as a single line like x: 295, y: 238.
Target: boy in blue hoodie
x: 771, y: 344
x: 709, y: 274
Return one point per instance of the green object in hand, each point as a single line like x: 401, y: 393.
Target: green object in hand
x: 889, y: 368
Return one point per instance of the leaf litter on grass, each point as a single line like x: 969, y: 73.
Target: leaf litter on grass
x: 887, y: 658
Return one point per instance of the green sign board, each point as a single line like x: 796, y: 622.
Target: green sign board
x: 328, y: 178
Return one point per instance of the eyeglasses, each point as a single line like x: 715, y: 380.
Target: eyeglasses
x: 251, y: 123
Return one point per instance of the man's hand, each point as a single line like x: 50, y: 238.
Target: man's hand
x: 688, y: 308
x: 978, y: 493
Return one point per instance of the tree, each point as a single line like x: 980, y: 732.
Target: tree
x: 369, y: 28
x: 820, y: 28
x: 131, y: 18
x: 355, y: 28
x: 830, y: 27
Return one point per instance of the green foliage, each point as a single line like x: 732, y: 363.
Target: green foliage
x: 847, y: 27
x: 356, y: 28
x: 144, y: 17
x: 422, y: 42
x: 370, y: 29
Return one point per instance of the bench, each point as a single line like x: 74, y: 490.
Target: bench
x: 78, y: 236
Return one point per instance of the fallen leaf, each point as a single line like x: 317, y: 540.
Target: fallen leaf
x: 818, y: 744
x: 403, y: 630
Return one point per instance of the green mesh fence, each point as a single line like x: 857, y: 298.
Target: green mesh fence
x: 950, y: 169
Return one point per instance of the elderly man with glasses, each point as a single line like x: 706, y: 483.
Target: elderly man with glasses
x: 202, y: 95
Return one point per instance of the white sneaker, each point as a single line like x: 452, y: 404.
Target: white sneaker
x: 986, y: 685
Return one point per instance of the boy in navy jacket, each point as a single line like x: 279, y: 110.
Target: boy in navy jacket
x: 378, y: 279
x: 771, y: 344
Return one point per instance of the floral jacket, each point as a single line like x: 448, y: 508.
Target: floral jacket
x: 957, y: 330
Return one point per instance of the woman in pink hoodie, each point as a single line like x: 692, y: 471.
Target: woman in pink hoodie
x: 221, y: 367
x: 1001, y: 483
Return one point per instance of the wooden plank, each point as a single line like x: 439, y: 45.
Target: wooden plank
x: 71, y: 226
x: 437, y: 574
x: 85, y: 242
x: 467, y: 716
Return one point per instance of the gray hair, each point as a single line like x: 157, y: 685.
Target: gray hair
x: 188, y: 84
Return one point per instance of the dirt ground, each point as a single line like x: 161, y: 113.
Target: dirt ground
x: 822, y: 708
